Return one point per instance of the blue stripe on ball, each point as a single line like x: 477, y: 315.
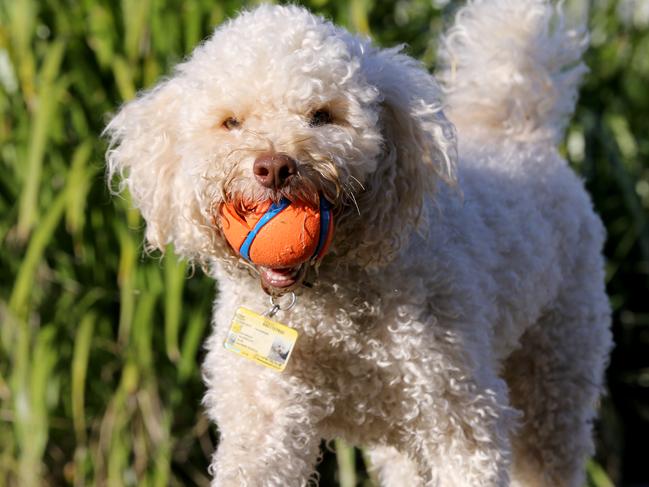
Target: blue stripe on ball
x: 325, y: 221
x: 274, y: 210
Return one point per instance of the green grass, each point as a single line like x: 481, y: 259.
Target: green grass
x: 100, y: 343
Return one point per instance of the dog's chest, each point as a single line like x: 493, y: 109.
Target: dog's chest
x: 361, y: 368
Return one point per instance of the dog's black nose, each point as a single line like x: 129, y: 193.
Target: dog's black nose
x: 274, y: 170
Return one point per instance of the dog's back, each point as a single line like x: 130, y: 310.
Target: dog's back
x: 511, y: 70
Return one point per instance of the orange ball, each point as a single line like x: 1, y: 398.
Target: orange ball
x: 277, y: 235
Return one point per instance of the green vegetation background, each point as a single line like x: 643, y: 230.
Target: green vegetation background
x: 100, y: 344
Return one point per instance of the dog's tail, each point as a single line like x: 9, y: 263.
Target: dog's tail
x: 511, y: 68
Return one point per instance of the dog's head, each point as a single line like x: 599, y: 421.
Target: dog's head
x: 281, y: 103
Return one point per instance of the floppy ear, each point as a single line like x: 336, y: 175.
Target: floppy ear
x: 419, y: 152
x: 142, y: 151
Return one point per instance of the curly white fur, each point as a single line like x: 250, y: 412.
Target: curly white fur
x: 512, y: 67
x: 459, y: 325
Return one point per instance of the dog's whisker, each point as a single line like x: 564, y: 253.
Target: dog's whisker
x: 255, y: 133
x: 304, y: 139
x: 361, y: 186
x: 352, y: 197
x: 243, y: 149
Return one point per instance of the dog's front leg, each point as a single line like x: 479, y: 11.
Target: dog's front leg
x: 266, y: 426
x: 277, y: 453
x: 476, y: 450
x: 458, y: 428
x: 471, y: 450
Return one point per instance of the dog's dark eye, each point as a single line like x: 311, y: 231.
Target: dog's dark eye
x: 231, y: 123
x: 320, y: 117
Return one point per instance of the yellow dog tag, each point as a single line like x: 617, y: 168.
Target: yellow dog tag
x: 260, y: 339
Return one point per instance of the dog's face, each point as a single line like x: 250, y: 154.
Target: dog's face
x: 280, y: 103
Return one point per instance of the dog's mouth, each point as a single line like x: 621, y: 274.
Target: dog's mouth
x: 280, y: 240
x: 280, y: 280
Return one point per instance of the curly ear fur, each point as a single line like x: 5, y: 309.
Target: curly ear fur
x: 419, y: 152
x: 142, y: 150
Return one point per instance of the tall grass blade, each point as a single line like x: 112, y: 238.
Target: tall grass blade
x: 49, y: 97
x: 174, y: 282
x: 126, y: 281
x: 124, y: 77
x: 346, y: 456
x: 597, y: 476
x: 18, y: 302
x: 79, y: 178
x: 33, y: 400
x: 82, y: 346
x: 192, y: 339
x: 22, y: 22
x: 135, y: 25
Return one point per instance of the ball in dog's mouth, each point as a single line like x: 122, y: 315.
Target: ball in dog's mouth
x: 281, y: 239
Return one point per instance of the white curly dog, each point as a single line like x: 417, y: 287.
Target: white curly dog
x: 458, y: 328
